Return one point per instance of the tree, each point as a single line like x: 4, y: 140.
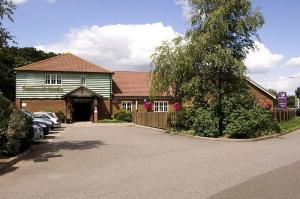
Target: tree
x: 7, y: 8
x: 216, y: 45
x: 11, y: 58
x: 291, y: 101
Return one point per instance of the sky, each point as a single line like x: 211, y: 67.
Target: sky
x: 122, y: 34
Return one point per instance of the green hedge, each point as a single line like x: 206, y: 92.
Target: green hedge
x: 61, y: 116
x: 249, y: 122
x: 15, y: 129
x: 123, y: 115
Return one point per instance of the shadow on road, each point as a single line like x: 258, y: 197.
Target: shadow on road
x: 10, y: 169
x: 279, y: 183
x: 51, y: 150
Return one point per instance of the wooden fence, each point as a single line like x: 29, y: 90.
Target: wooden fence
x: 160, y: 120
x: 283, y: 115
x: 166, y: 120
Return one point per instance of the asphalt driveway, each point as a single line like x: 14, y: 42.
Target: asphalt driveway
x: 134, y: 162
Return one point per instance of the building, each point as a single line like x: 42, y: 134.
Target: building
x: 87, y: 92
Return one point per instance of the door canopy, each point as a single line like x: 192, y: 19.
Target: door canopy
x: 82, y: 92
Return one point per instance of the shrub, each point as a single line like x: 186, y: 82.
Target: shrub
x: 249, y: 123
x: 61, y: 116
x: 15, y: 129
x: 184, y: 119
x: 123, y: 115
x: 205, y: 123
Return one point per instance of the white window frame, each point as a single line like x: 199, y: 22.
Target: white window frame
x: 58, y: 79
x: 52, y: 79
x: 125, y: 105
x: 47, y: 79
x: 161, y: 106
x: 83, y: 77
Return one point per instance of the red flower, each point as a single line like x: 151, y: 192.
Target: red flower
x: 267, y: 106
x: 148, y: 106
x: 177, y: 106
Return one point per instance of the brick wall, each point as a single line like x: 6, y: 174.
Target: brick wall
x: 260, y: 96
x: 117, y: 104
x: 104, y: 108
x: 35, y: 105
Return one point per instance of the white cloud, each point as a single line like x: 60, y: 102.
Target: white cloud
x: 293, y: 62
x: 186, y: 9
x: 280, y: 83
x: 118, y: 47
x: 262, y: 59
x: 18, y: 2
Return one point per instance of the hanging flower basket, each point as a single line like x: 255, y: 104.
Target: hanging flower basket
x: 148, y: 106
x: 267, y: 106
x: 177, y: 106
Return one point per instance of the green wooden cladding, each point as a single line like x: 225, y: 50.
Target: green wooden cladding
x: 32, y: 84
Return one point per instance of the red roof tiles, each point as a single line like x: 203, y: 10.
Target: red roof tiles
x: 64, y: 63
x: 129, y: 83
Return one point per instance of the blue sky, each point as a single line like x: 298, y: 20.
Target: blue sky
x: 122, y: 34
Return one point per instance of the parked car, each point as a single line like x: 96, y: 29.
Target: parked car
x: 45, y: 115
x: 44, y: 124
x: 50, y: 115
x: 38, y: 132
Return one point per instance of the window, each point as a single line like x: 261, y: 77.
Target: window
x: 161, y: 106
x: 58, y: 79
x: 53, y: 79
x: 82, y: 79
x: 47, y: 79
x: 127, y: 105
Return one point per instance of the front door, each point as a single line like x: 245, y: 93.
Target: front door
x: 82, y: 110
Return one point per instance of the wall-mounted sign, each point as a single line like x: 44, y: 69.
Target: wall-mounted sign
x: 43, y: 88
x: 282, y: 99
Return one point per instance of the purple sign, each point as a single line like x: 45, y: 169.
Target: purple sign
x: 282, y: 99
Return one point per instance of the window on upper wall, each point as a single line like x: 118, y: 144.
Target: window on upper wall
x: 47, y: 79
x: 53, y: 79
x: 161, y: 106
x: 82, y: 79
x: 127, y: 105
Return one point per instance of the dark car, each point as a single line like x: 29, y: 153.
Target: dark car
x: 44, y: 124
x: 44, y: 117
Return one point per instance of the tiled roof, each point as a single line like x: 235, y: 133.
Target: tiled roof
x: 129, y: 83
x: 64, y: 63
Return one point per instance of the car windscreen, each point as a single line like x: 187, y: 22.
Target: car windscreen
x: 37, y: 115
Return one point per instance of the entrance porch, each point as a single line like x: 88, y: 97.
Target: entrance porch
x: 82, y: 104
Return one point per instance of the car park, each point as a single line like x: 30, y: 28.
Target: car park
x: 49, y: 115
x: 44, y: 124
x: 46, y: 116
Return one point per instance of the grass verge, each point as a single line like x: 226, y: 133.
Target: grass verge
x: 291, y: 125
x: 109, y: 121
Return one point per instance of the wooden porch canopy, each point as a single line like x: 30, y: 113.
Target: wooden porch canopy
x: 82, y: 92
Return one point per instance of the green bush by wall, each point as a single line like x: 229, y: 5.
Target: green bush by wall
x: 123, y: 115
x: 15, y: 129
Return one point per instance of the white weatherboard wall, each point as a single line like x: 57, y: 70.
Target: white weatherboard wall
x: 97, y: 82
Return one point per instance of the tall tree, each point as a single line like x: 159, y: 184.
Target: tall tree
x: 11, y: 58
x: 217, y: 43
x: 7, y: 8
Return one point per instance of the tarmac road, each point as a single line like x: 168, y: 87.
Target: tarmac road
x: 134, y: 162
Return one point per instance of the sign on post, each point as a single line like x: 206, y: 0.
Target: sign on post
x: 282, y: 100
